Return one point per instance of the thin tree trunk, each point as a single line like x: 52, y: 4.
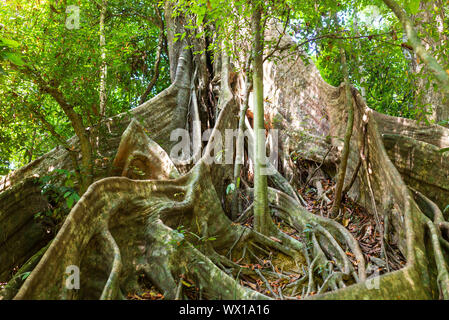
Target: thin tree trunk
x: 86, y: 168
x: 103, y: 67
x: 347, y: 139
x: 155, y: 77
x: 261, y: 214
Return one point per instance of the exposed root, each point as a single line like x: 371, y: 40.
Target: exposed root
x: 299, y: 219
x: 443, y: 274
x: 172, y: 229
x: 111, y: 288
x: 433, y: 219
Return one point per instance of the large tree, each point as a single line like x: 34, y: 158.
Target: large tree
x: 170, y: 223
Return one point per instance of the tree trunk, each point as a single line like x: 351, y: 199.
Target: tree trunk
x: 261, y: 217
x: 347, y: 138
x: 103, y: 67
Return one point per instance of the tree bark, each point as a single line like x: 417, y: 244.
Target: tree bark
x: 103, y: 67
x: 261, y: 214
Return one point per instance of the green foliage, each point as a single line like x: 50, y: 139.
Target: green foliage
x: 36, y: 36
x: 412, y: 6
x: 308, y: 228
x: 33, y: 35
x: 180, y: 233
x: 59, y: 189
x: 369, y: 32
x: 178, y: 236
x: 235, y: 27
x: 25, y: 275
x: 308, y: 232
x: 202, y: 239
x: 7, y: 52
x: 372, y: 38
x: 230, y: 188
x: 381, y: 69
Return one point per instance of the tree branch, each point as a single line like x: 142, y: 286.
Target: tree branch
x: 75, y: 120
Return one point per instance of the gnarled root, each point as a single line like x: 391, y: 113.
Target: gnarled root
x: 123, y: 228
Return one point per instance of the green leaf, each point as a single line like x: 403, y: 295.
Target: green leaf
x: 446, y: 209
x: 413, y: 6
x: 15, y: 58
x: 70, y: 201
x: 443, y: 150
x: 25, y: 275
x: 67, y: 194
x: 230, y: 188
x: 201, y: 13
x: 9, y: 43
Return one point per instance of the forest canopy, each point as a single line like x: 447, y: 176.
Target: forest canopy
x: 34, y: 34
